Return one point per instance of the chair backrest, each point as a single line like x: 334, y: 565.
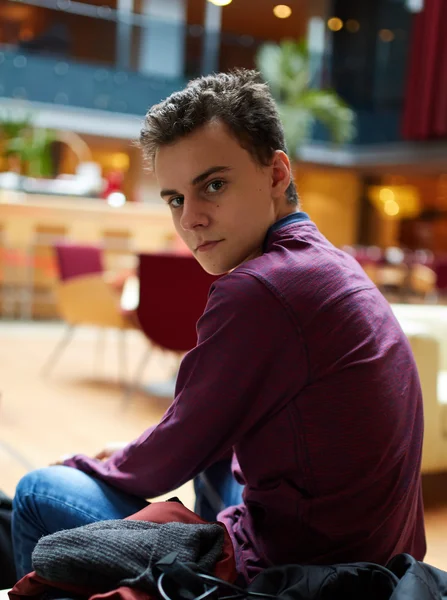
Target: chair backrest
x: 89, y: 300
x: 440, y: 268
x: 74, y: 260
x: 47, y: 235
x: 118, y: 240
x: 173, y: 294
x: 41, y: 253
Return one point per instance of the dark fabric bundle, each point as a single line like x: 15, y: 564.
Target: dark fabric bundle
x: 7, y: 569
x: 110, y: 554
x: 403, y: 578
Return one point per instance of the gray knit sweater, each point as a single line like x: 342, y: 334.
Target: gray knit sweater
x: 108, y: 554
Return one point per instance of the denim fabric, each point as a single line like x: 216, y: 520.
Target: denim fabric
x: 59, y: 497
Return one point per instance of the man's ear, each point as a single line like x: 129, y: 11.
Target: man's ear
x: 281, y: 173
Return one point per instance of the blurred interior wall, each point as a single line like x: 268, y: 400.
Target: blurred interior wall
x: 331, y: 198
x: 163, y: 40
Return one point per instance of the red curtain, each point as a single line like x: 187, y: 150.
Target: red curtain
x: 425, y: 110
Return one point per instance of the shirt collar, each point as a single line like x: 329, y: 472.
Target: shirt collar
x: 295, y: 217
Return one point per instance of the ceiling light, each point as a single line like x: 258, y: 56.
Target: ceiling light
x: 116, y: 199
x: 221, y: 2
x: 282, y: 11
x: 387, y: 195
x: 415, y: 6
x: 391, y: 208
x: 335, y: 24
x: 352, y: 25
x: 397, y: 200
x: 386, y: 35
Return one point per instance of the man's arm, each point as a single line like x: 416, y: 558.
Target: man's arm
x: 248, y: 362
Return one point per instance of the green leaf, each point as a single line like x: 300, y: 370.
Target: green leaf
x: 31, y: 145
x: 297, y: 124
x: 328, y: 108
x: 286, y: 68
x: 268, y: 61
x: 11, y: 126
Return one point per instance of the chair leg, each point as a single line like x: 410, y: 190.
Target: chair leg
x: 132, y: 387
x: 60, y: 347
x: 122, y: 358
x: 100, y: 351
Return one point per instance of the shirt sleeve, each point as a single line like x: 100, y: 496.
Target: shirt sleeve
x: 248, y: 363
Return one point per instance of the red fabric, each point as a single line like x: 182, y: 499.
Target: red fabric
x: 74, y: 260
x: 425, y: 110
x: 159, y: 512
x: 440, y: 268
x: 32, y: 585
x: 173, y: 293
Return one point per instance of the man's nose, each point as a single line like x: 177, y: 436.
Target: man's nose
x: 193, y: 214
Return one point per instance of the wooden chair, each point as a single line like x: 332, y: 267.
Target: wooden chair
x: 422, y: 280
x: 119, y: 250
x: 83, y: 297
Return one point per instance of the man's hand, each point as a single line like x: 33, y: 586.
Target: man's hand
x: 109, y: 450
x: 102, y: 455
x: 60, y: 460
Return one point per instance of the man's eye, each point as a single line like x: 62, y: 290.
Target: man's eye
x: 215, y: 186
x: 176, y: 202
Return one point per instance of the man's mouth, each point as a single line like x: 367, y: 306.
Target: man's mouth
x: 206, y: 246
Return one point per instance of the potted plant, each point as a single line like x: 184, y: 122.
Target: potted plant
x: 286, y: 68
x: 27, y: 149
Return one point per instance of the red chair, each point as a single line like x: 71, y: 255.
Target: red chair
x: 173, y: 291
x: 75, y: 259
x: 440, y: 268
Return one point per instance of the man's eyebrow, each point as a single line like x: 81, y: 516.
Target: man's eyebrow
x: 199, y: 179
x: 164, y: 193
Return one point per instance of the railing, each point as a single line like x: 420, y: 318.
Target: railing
x: 66, y: 52
x: 60, y: 81
x: 103, y: 36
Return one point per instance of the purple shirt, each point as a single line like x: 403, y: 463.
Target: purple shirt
x: 303, y: 370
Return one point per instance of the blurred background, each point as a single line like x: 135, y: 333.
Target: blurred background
x: 362, y: 89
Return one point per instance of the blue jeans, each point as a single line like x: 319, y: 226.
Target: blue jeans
x: 55, y: 498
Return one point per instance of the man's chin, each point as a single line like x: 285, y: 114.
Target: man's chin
x: 212, y: 268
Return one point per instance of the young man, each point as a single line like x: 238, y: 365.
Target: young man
x: 300, y: 367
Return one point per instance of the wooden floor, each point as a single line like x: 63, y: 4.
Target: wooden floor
x: 79, y: 408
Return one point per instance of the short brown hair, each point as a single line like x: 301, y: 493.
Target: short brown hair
x: 239, y: 99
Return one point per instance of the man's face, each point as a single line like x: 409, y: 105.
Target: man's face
x: 222, y: 201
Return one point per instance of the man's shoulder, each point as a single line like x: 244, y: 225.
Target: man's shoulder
x: 247, y: 289
x: 274, y: 268
x: 240, y: 283
x: 240, y: 299
x: 306, y: 273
